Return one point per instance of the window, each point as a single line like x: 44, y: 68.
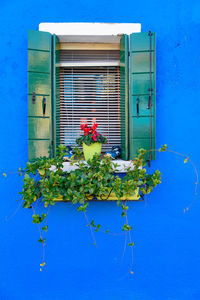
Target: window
x: 88, y: 91
x: 74, y: 79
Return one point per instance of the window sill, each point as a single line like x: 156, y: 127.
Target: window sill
x: 121, y: 168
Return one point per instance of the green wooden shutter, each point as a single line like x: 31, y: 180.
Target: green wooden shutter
x: 124, y: 94
x: 39, y: 89
x: 142, y: 120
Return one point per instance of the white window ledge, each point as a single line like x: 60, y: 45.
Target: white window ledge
x: 122, y: 166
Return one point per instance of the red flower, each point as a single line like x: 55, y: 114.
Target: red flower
x: 86, y: 131
x: 94, y: 126
x: 94, y: 137
x: 83, y: 126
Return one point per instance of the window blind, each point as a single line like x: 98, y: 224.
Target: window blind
x: 88, y: 94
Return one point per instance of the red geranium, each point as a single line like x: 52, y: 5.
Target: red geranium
x: 94, y: 137
x: 90, y: 135
x: 86, y: 131
x: 94, y: 126
x: 83, y: 126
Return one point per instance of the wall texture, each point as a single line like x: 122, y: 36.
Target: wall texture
x: 166, y: 252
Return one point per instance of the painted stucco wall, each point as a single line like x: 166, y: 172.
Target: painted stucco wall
x: 167, y: 241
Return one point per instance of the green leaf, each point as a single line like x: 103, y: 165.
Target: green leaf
x: 130, y: 244
x: 124, y: 207
x: 41, y: 172
x: 163, y: 148
x: 126, y: 227
x: 92, y: 223
x: 4, y: 174
x: 41, y: 240
x: 186, y: 160
x: 123, y: 214
x: 45, y: 228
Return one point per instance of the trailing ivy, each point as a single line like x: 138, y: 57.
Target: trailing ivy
x: 45, y: 181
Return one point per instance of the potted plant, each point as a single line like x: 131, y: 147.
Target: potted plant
x: 91, y: 140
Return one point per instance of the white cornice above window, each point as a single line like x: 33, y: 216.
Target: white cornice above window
x: 90, y: 28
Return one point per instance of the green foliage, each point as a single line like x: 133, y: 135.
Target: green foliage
x: 37, y: 219
x: 131, y: 244
x: 44, y: 181
x: 45, y: 228
x: 126, y: 227
x: 41, y: 240
x: 163, y: 148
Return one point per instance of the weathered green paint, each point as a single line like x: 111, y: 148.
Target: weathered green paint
x: 141, y: 143
x: 140, y: 60
x: 38, y: 148
x: 142, y: 133
x: 141, y: 127
x: 38, y: 128
x: 38, y: 61
x: 140, y: 42
x: 39, y: 40
x: 39, y: 82
x: 36, y: 108
x: 124, y: 85
x: 139, y: 84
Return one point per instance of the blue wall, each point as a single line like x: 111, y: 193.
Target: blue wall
x: 166, y: 252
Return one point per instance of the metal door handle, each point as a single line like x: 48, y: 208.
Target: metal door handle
x: 33, y: 97
x: 44, y: 101
x: 149, y: 102
x: 137, y: 105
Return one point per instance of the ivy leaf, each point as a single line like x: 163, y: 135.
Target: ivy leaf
x: 124, y: 207
x: 43, y: 264
x: 107, y: 231
x: 45, y: 228
x: 41, y: 240
x: 123, y: 214
x: 163, y: 148
x: 186, y: 160
x: 130, y: 244
x: 4, y: 174
x: 41, y: 172
x: 92, y: 223
x: 98, y: 227
x: 126, y: 227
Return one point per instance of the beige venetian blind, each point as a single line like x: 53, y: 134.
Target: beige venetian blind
x: 89, y: 92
